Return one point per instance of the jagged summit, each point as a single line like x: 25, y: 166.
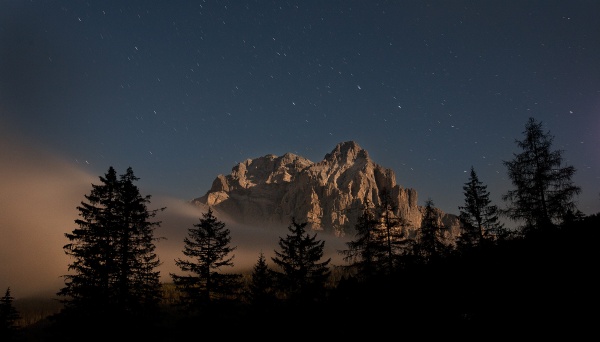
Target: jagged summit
x: 329, y: 195
x: 346, y: 152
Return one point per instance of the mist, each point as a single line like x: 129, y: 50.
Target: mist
x: 39, y: 195
x: 249, y: 241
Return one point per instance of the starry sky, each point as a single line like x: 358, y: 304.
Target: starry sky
x: 181, y: 91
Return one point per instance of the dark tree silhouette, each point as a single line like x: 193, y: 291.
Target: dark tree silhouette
x: 114, y: 267
x: 394, y: 234
x: 9, y: 316
x: 303, y: 274
x: 362, y: 253
x: 479, y: 218
x: 208, y: 245
x: 430, y: 242
x: 261, y: 287
x: 381, y: 240
x: 544, y: 190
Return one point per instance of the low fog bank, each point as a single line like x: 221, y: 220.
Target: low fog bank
x: 39, y: 195
x: 249, y: 241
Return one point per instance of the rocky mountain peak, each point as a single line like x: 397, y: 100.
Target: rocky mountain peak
x: 328, y: 195
x: 346, y: 153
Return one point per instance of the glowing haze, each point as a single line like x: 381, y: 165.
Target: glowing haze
x: 38, y: 199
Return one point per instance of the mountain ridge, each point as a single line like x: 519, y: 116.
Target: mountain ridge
x: 329, y: 195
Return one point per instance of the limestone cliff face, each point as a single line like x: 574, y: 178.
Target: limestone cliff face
x: 329, y: 195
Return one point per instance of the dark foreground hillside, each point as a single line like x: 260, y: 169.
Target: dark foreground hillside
x: 535, y: 287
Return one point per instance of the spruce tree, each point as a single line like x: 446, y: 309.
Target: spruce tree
x: 261, y: 287
x: 479, y: 218
x: 114, y: 268
x: 302, y: 273
x: 544, y: 191
x: 9, y: 317
x: 139, y: 281
x: 208, y: 247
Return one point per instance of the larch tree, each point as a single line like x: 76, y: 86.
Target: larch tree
x: 430, y: 241
x: 114, y: 269
x: 393, y: 233
x: 208, y: 247
x: 544, y: 191
x: 381, y: 239
x: 302, y: 273
x: 480, y: 219
x: 362, y: 253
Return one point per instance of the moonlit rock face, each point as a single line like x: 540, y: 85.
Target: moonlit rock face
x: 268, y: 191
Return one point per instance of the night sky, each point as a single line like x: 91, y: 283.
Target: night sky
x: 181, y: 91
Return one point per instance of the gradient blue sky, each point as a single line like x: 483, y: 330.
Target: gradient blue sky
x: 181, y: 91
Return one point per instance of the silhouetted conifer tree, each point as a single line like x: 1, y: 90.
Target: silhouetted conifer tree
x: 114, y: 267
x: 9, y: 316
x: 381, y: 244
x: 430, y: 241
x: 394, y: 235
x: 479, y: 218
x: 544, y: 190
x: 362, y: 253
x: 262, y: 283
x: 208, y: 247
x: 303, y: 274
